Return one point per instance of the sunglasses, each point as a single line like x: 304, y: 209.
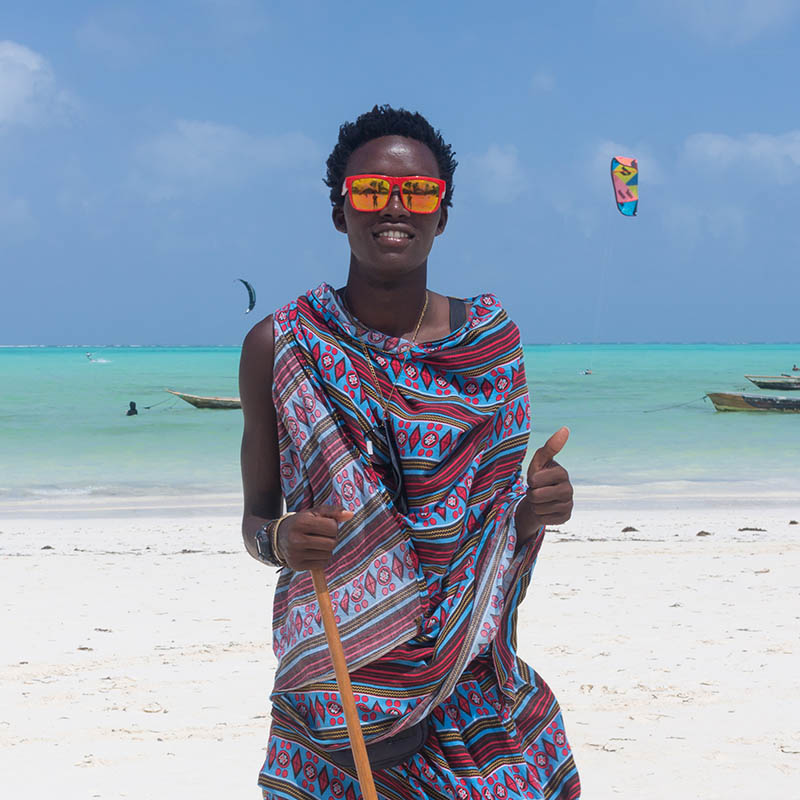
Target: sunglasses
x: 372, y: 192
x: 394, y: 478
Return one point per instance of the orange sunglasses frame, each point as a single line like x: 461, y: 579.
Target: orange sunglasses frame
x: 395, y: 182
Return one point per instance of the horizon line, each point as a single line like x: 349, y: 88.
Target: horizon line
x: 524, y: 344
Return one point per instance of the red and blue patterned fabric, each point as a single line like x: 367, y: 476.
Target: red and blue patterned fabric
x: 426, y: 601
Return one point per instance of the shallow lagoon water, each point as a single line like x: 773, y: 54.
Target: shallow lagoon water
x: 639, y: 418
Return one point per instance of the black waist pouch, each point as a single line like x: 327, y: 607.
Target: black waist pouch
x: 388, y: 752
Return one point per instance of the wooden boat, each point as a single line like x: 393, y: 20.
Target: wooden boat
x: 783, y: 382
x: 724, y: 401
x: 208, y: 402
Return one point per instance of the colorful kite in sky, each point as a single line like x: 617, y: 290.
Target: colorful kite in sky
x: 625, y: 177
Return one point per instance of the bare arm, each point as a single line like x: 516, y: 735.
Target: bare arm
x: 260, y: 458
x: 306, y: 539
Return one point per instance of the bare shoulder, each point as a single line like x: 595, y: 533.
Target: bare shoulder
x: 255, y: 365
x: 260, y: 339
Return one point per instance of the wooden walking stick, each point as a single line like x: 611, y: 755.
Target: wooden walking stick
x: 345, y: 687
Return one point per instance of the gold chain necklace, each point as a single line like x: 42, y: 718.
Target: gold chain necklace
x: 385, y: 402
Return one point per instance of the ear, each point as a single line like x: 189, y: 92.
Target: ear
x: 339, y: 221
x: 442, y: 220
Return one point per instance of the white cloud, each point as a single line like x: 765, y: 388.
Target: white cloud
x: 777, y: 154
x: 542, y: 82
x: 194, y: 155
x: 500, y: 174
x: 28, y: 91
x: 728, y: 21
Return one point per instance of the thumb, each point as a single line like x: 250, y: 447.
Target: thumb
x: 548, y: 451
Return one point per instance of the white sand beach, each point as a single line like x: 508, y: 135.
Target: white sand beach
x: 137, y: 658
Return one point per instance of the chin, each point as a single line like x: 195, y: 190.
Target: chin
x: 395, y: 267
x: 389, y: 264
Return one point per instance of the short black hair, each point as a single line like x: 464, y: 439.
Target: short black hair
x: 387, y: 121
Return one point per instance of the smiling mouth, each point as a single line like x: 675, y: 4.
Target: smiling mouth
x: 393, y: 236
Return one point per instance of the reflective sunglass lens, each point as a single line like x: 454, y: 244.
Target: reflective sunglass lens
x: 369, y: 194
x: 421, y: 196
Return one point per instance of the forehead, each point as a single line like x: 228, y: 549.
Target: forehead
x: 393, y: 155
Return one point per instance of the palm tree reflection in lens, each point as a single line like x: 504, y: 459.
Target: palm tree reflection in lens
x: 426, y: 194
x: 364, y: 191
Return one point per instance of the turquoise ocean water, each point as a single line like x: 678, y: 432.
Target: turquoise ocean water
x: 63, y: 429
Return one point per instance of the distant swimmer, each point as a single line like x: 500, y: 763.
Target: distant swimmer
x: 586, y: 372
x: 795, y: 368
x: 132, y: 411
x: 90, y: 356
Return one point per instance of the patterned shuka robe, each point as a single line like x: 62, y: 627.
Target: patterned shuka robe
x: 426, y: 602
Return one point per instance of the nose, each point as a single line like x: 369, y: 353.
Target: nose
x: 395, y: 207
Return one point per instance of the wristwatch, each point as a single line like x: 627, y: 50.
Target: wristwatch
x: 264, y: 545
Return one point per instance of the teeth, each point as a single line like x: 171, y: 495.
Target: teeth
x: 393, y: 235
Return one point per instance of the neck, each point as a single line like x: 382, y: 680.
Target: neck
x: 391, y: 308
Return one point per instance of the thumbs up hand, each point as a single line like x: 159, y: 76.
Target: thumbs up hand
x: 549, y: 497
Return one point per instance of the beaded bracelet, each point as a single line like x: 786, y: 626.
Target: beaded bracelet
x: 267, y: 542
x: 275, y: 524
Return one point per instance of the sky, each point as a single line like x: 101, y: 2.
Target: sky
x: 153, y: 153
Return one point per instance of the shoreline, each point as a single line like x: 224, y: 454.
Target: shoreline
x: 655, y: 495
x: 114, y: 506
